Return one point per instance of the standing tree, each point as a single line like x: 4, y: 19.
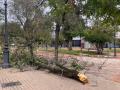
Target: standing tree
x: 66, y: 13
x: 72, y: 28
x: 106, y: 10
x: 99, y: 35
x: 73, y: 22
x: 31, y: 20
x: 58, y: 10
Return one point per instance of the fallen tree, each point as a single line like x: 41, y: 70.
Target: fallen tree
x: 67, y: 69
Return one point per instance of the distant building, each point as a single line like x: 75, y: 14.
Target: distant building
x: 118, y: 35
x: 80, y: 42
x: 76, y: 42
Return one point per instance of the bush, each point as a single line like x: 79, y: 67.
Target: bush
x: 20, y: 58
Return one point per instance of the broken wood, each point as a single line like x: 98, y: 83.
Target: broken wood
x: 58, y: 68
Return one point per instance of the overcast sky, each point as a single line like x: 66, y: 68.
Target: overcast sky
x: 10, y: 17
x: 2, y: 5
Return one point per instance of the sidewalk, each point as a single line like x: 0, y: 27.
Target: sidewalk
x: 11, y: 79
x: 36, y: 80
x: 108, y: 78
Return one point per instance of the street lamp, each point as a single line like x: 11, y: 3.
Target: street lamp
x: 6, y: 48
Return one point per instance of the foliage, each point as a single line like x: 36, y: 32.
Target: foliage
x: 75, y: 64
x: 99, y: 35
x: 104, y: 9
x: 58, y: 8
x: 34, y: 25
x: 73, y: 26
x: 20, y: 58
x: 1, y: 13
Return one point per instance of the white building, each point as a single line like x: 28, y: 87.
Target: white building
x: 81, y: 42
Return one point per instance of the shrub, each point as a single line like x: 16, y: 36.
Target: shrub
x: 20, y: 58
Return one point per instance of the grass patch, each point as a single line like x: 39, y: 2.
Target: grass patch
x: 89, y: 52
x: 84, y: 51
x: 72, y: 52
x: 112, y: 50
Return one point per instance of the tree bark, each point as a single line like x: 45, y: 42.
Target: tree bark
x: 59, y: 69
x: 57, y: 40
x: 81, y: 44
x: 99, y: 48
x: 46, y: 46
x: 70, y: 45
x: 31, y: 53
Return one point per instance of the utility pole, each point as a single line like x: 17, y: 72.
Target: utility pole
x: 6, y: 41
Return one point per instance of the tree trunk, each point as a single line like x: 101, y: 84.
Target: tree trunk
x: 61, y: 69
x: 57, y: 40
x: 70, y: 45
x: 31, y: 53
x: 46, y: 46
x: 99, y: 48
x: 81, y: 44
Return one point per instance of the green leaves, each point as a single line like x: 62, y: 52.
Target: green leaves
x: 103, y: 9
x: 59, y: 7
x: 99, y: 34
x: 1, y: 13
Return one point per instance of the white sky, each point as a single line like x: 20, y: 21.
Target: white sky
x: 10, y: 17
x: 2, y: 5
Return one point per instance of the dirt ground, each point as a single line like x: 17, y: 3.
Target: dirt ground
x: 106, y: 78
